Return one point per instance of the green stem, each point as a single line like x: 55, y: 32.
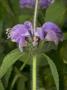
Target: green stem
x: 35, y: 15
x: 34, y: 57
x: 34, y: 71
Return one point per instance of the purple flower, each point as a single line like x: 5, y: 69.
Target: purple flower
x: 53, y: 32
x: 22, y: 33
x: 45, y: 3
x: 31, y: 3
x: 26, y: 3
x: 49, y: 32
x: 18, y: 34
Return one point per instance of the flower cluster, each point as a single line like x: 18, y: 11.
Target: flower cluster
x: 31, y: 3
x: 48, y: 32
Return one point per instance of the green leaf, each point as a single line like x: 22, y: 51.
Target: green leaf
x: 1, y: 86
x: 26, y: 59
x: 53, y: 70
x: 43, y: 47
x: 9, y: 60
x: 56, y: 12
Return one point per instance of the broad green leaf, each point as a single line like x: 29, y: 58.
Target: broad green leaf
x: 9, y: 60
x: 53, y: 70
x: 56, y: 12
x: 1, y: 86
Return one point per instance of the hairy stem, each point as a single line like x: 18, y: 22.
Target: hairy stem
x: 34, y: 74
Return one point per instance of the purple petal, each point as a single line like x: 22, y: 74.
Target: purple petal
x: 39, y: 33
x: 21, y: 44
x: 51, y: 36
x: 18, y: 31
x: 28, y: 25
x: 51, y: 26
x: 53, y: 31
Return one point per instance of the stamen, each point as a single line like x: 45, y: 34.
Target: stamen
x: 8, y: 32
